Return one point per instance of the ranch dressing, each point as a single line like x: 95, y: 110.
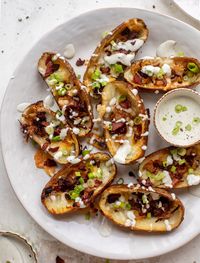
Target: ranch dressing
x: 130, y: 45
x: 179, y: 127
x: 120, y: 57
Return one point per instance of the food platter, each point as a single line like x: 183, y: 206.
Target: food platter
x: 97, y: 236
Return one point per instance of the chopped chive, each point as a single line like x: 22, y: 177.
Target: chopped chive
x: 78, y: 174
x: 180, y: 54
x: 122, y: 98
x: 81, y: 181
x: 85, y: 152
x: 190, y: 170
x: 62, y: 92
x: 180, y: 108
x: 96, y: 74
x: 193, y: 67
x: 128, y: 206
x: 164, y: 118
x: 173, y: 169
x: 196, y: 120
x: 182, y: 161
x: 118, y: 68
x: 56, y: 138
x: 188, y: 127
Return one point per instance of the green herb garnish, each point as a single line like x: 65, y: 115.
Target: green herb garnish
x: 96, y: 74
x: 193, y: 67
x: 188, y: 127
x: 56, y: 138
x: 118, y: 68
x: 180, y: 108
x: 196, y: 120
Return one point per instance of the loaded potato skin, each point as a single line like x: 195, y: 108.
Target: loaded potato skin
x: 51, y: 133
x: 172, y: 167
x: 114, y: 54
x: 69, y: 93
x: 76, y: 186
x: 164, y: 73
x: 142, y: 209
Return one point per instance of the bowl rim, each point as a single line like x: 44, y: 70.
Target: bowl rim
x: 158, y: 103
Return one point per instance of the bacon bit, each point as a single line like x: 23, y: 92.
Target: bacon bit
x: 112, y: 198
x: 45, y: 145
x: 41, y: 160
x: 125, y: 104
x: 50, y: 163
x: 105, y: 70
x: 124, y: 51
x: 48, y: 59
x: 44, y: 123
x: 59, y: 260
x: 53, y: 150
x: 137, y: 79
x: 51, y: 67
x: 80, y: 62
x: 119, y: 127
x: 162, y: 82
x: 97, y: 182
x: 132, y: 35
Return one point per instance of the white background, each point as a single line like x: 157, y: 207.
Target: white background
x: 23, y: 22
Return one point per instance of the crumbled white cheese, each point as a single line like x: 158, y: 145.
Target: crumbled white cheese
x: 166, y: 69
x: 112, y: 102
x: 140, y: 174
x: 63, y: 133
x: 49, y: 129
x: 58, y: 155
x: 76, y: 130
x: 52, y: 197
x: 72, y: 159
x: 151, y: 189
x: 150, y: 70
x: 167, y: 224
x: 193, y: 179
x: 130, y: 185
x: 167, y: 181
x: 169, y: 160
x: 130, y: 215
x: 156, y: 91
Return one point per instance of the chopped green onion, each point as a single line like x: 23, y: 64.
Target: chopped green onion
x: 164, y: 163
x: 148, y: 215
x: 56, y: 76
x: 85, y: 152
x: 160, y: 74
x: 174, y: 151
x: 90, y: 183
x: 118, y: 68
x: 180, y: 54
x: 81, y: 181
x: 99, y: 173
x: 144, y: 199
x: 189, y: 74
x: 122, y: 98
x: 188, y: 127
x: 78, y: 174
x: 176, y: 129
x: 190, y: 170
x: 96, y: 74
x: 76, y: 192
x: 196, y: 120
x: 104, y: 83
x: 159, y: 176
x: 59, y: 113
x: 193, y: 67
x: 120, y: 181
x: 68, y: 86
x: 56, y: 138
x: 96, y: 85
x: 87, y: 216
x: 122, y: 205
x: 79, y: 76
x: 182, y: 161
x: 62, y: 91
x: 181, y: 151
x: 173, y: 169
x: 179, y: 108
x: 164, y: 118
x: 91, y: 175
x: 137, y: 120
x: 128, y: 206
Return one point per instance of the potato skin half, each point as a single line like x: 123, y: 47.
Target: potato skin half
x: 113, y: 89
x: 70, y: 77
x: 134, y: 24
x: 52, y: 187
x: 162, y: 155
x: 175, y: 62
x: 144, y: 225
x: 27, y: 129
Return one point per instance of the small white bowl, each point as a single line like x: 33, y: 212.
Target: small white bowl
x: 177, y: 117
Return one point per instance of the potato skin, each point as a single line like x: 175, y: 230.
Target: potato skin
x: 137, y: 105
x: 182, y: 61
x: 162, y: 153
x: 63, y: 174
x: 70, y: 75
x: 134, y: 24
x: 152, y: 226
x: 25, y: 121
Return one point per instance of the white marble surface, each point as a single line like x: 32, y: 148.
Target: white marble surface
x: 23, y: 22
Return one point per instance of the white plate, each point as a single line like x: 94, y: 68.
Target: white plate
x: 28, y: 181
x: 191, y: 7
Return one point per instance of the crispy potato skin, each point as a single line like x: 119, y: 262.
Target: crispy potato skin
x: 134, y: 24
x: 64, y: 172
x: 125, y: 88
x: 121, y: 189
x: 159, y: 155
x: 26, y: 120
x: 136, y: 66
x: 71, y: 77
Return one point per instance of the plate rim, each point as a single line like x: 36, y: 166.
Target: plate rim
x: 81, y: 247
